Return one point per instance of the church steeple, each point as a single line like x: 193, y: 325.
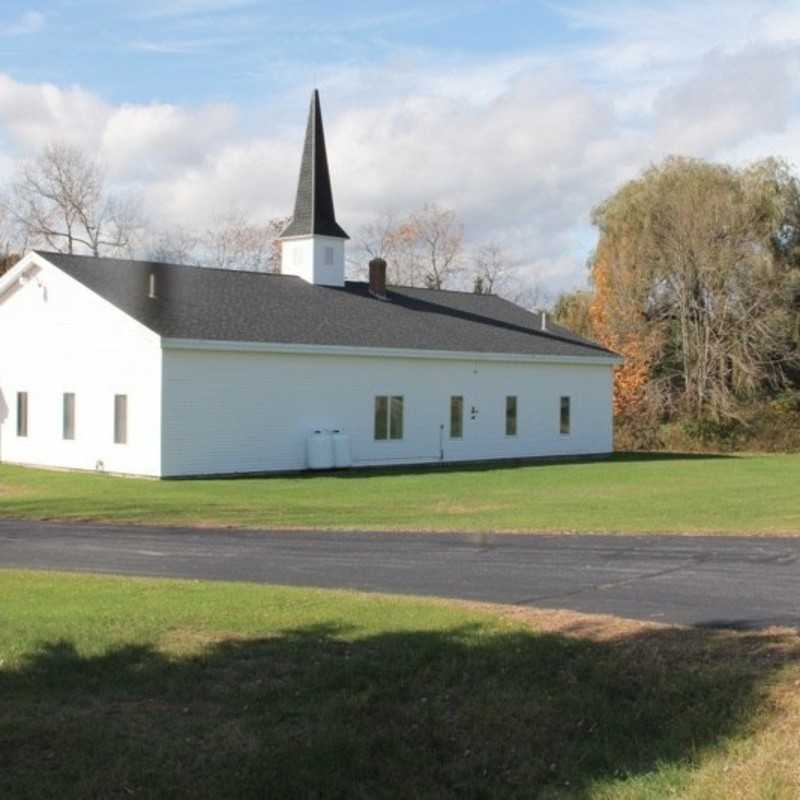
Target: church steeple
x: 312, y: 245
x: 313, y: 207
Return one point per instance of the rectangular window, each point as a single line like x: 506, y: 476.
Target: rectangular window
x: 511, y: 415
x: 456, y: 417
x: 388, y: 417
x: 396, y: 418
x: 69, y: 416
x: 328, y: 256
x: 565, y: 415
x: 22, y: 413
x: 120, y: 419
x: 381, y: 417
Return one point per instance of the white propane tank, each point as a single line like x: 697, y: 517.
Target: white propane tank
x: 342, y: 455
x: 320, y: 450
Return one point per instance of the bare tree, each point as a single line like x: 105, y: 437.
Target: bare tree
x: 423, y: 249
x: 7, y: 258
x: 59, y: 200
x: 376, y: 239
x: 492, y: 270
x: 433, y: 240
x: 178, y: 245
x: 531, y: 296
x: 236, y: 243
x: 9, y: 246
x: 231, y: 242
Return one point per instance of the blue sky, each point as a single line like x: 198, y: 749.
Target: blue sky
x: 194, y: 51
x: 518, y: 115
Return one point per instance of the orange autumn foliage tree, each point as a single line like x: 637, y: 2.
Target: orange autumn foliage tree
x: 618, y: 327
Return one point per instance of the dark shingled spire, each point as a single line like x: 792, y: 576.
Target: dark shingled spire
x: 313, y: 207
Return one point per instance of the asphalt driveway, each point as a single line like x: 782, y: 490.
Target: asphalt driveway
x: 697, y: 580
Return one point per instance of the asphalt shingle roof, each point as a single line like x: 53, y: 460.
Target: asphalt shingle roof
x: 225, y: 305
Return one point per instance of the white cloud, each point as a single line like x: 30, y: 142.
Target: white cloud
x: 184, y: 8
x: 179, y: 47
x: 27, y: 23
x: 729, y: 99
x: 522, y: 146
x: 158, y: 140
x: 33, y: 114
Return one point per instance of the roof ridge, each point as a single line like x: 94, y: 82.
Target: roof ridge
x: 431, y: 289
x: 573, y: 338
x: 46, y: 253
x: 578, y: 341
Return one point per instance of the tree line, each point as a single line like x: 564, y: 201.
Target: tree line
x: 59, y: 200
x: 696, y: 282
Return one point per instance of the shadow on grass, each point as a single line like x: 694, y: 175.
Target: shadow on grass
x: 437, y: 468
x: 461, y: 713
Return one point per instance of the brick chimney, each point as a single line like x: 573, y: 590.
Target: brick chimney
x: 377, y: 278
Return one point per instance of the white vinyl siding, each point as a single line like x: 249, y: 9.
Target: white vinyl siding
x: 70, y: 340
x: 265, y: 405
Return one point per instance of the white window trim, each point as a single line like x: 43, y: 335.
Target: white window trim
x: 389, y: 418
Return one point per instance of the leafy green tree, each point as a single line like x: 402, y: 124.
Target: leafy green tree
x: 697, y: 275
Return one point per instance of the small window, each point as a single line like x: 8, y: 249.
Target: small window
x: 396, y: 418
x: 297, y: 255
x: 69, y: 416
x: 328, y: 256
x: 456, y: 417
x: 565, y: 415
x: 381, y: 417
x: 388, y: 417
x: 22, y: 414
x: 120, y: 419
x: 511, y: 415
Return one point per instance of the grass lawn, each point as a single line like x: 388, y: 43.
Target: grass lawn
x: 121, y: 687
x: 626, y: 493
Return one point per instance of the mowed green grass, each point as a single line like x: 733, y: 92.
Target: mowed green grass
x: 126, y: 687
x: 626, y: 493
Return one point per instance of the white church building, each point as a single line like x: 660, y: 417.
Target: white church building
x: 164, y: 370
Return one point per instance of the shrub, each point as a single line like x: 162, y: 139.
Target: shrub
x: 768, y: 427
